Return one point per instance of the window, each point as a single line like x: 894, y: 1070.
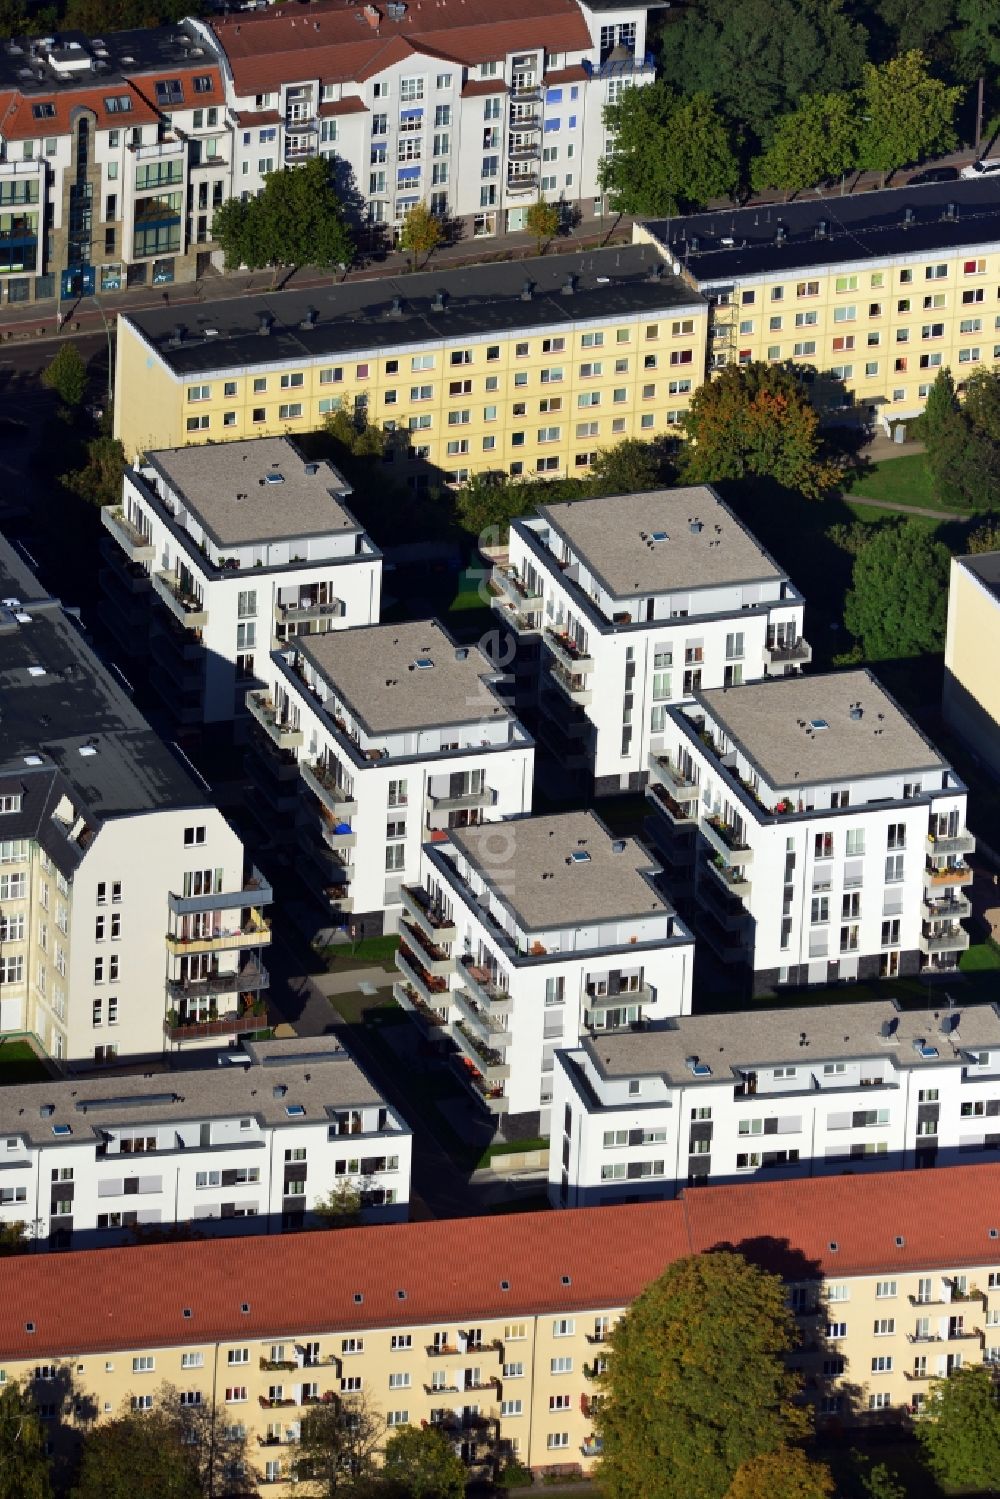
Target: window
x: 882, y: 1363
x: 557, y: 1439
x: 511, y: 1408
x: 564, y: 1327
x: 238, y: 1356
x: 144, y: 1364
x: 885, y: 1327
x: 236, y: 1394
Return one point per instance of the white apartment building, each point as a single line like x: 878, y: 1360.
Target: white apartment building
x: 399, y: 735
x: 638, y: 602
x: 526, y: 936
x: 128, y: 924
x: 243, y: 545
x: 773, y: 1093
x: 832, y: 834
x: 477, y: 115
x: 249, y: 1146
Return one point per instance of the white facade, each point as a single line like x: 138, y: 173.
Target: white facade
x: 478, y: 140
x: 374, y: 788
x: 615, y: 659
x: 801, y: 1092
x: 509, y: 990
x: 229, y: 582
x: 261, y: 1140
x: 833, y: 835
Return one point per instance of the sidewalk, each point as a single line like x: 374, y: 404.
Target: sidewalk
x: 38, y: 320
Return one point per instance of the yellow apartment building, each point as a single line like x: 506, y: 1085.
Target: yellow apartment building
x: 496, y: 1330
x: 526, y: 368
x: 971, y: 700
x: 874, y: 293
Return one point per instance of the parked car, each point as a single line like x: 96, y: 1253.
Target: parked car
x: 934, y: 174
x: 982, y: 168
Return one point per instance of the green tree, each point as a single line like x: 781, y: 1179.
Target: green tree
x: 628, y: 467
x: 908, y: 115
x: 99, y: 481
x: 422, y: 1464
x: 340, y: 1208
x: 785, y: 1473
x: 296, y: 220
x: 337, y: 1448
x: 487, y: 504
x: 960, y: 1432
x: 421, y: 233
x: 880, y: 1482
x: 755, y: 420
x: 66, y: 374
x: 816, y: 143
x: 696, y: 1381
x: 542, y: 220
x: 985, y: 538
x: 797, y: 47
x: 975, y: 40
x: 24, y: 1467
x: 898, y: 602
x: 138, y: 1455
x: 670, y: 153
x: 14, y: 1239
x: 962, y: 442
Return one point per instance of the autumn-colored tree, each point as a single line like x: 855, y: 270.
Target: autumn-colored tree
x: 985, y: 538
x: 542, y: 220
x: 697, y: 1382
x: 785, y: 1473
x: 421, y: 233
x: 755, y: 420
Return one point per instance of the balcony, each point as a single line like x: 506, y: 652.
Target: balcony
x: 939, y: 847
x: 254, y: 933
x: 251, y: 978
x: 490, y: 1094
x: 321, y: 782
x: 955, y: 909
x: 432, y: 990
x: 522, y: 93
x: 263, y: 710
x: 952, y: 874
x: 183, y: 605
x: 522, y: 183
x: 487, y: 1060
x: 488, y: 1027
x: 255, y: 891
x: 680, y: 816
x: 951, y: 939
x: 306, y: 609
x: 134, y: 543
x: 495, y: 999
x: 665, y: 773
x: 517, y: 619
x: 434, y: 960
x: 407, y: 997
x: 601, y: 1003
x: 567, y: 652
x: 730, y: 878
x: 482, y: 796
x: 798, y: 653
x: 338, y: 836
x: 431, y: 919
x: 725, y: 841
x: 572, y: 684
x: 186, y: 1028
x: 528, y: 151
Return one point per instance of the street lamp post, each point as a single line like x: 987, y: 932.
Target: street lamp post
x: 107, y: 330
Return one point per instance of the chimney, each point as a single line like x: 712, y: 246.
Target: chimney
x: 568, y: 287
x: 309, y: 321
x: 437, y: 305
x: 526, y: 290
x: 264, y: 321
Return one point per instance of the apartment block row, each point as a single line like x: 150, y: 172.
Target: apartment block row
x: 773, y: 1093
x: 524, y: 936
x: 868, y: 296
x: 495, y: 1331
x: 971, y: 698
x: 620, y: 607
x: 254, y: 1144
x: 526, y: 368
x: 116, y: 151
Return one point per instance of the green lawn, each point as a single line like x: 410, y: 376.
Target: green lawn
x: 898, y: 481
x: 20, y: 1064
x: 982, y: 957
x: 368, y: 952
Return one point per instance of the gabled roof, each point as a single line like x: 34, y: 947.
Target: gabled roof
x: 18, y: 121
x: 341, y: 42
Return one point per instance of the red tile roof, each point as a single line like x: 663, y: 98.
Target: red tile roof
x: 259, y: 117
x: 575, y: 73
x: 267, y: 50
x: 451, y: 1270
x: 351, y: 106
x: 477, y: 86
x: 18, y: 122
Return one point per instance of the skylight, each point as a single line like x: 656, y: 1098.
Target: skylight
x: 818, y: 723
x: 423, y: 663
x: 294, y: 1110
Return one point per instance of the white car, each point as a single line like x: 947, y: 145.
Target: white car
x: 982, y: 168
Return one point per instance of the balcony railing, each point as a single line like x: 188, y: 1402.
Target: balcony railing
x: 254, y: 933
x: 183, y: 605
x: 944, y: 847
x: 955, y: 909
x: 951, y: 939
x: 182, y: 1028
x: 952, y: 874
x: 134, y: 543
x: 567, y: 651
x: 283, y: 734
x: 433, y: 991
x: 407, y: 997
x: 726, y: 841
x: 488, y: 1026
x: 322, y: 783
x: 664, y: 771
x: 680, y: 816
x: 731, y: 878
x: 431, y: 919
x: 255, y: 891
x: 572, y: 684
x: 251, y: 978
x: 433, y: 959
x: 487, y: 1059
x: 293, y: 613
x: 496, y: 999
x: 781, y: 654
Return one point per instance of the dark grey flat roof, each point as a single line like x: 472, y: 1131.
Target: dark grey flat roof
x: 61, y: 707
x: 986, y: 567
x: 358, y: 317
x: 733, y: 243
x: 123, y: 54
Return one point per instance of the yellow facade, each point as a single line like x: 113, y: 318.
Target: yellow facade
x: 544, y: 400
x: 971, y: 679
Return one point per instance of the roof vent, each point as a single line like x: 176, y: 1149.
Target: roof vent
x: 309, y: 321
x: 821, y: 229
x: 618, y: 846
x: 438, y: 301
x: 780, y: 235
x: 950, y: 212
x: 833, y: 1246
x: 33, y: 760
x: 358, y: 1298
x: 264, y: 321
x: 908, y: 216
x: 505, y: 1285
x: 245, y: 1308
x: 461, y: 653
x: 655, y: 272
x: 566, y: 1280
x: 177, y: 337
x: 568, y: 287
x: 900, y: 1241
x: 311, y: 468
x: 887, y: 1030
x: 279, y: 1090
x: 186, y: 1312
x: 856, y: 712
x: 396, y: 310
x: 696, y: 528
x: 694, y: 244
x: 46, y: 1110
x: 697, y: 1068
x: 527, y: 287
